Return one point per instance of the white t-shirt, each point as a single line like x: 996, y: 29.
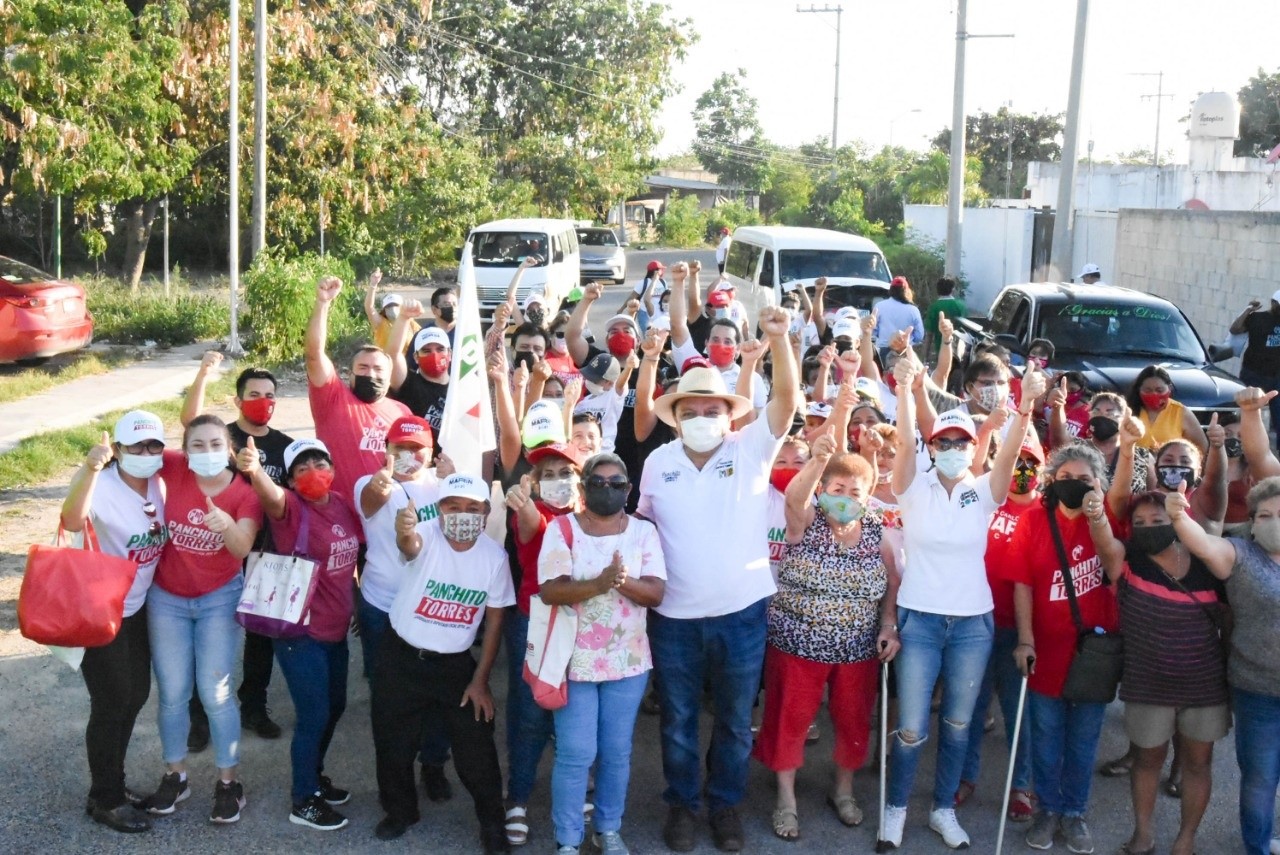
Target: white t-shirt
x: 440, y: 605
x: 607, y: 407
x: 124, y: 529
x: 384, y: 571
x: 713, y: 522
x: 722, y: 249
x: 759, y: 392
x: 946, y: 543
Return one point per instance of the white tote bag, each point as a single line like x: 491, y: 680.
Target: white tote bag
x: 276, y: 600
x: 553, y: 634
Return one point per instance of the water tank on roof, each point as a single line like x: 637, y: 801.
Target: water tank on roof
x: 1215, y: 115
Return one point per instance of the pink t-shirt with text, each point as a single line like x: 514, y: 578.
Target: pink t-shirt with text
x: 354, y: 432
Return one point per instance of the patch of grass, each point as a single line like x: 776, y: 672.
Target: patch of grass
x: 31, y: 381
x: 122, y: 317
x: 38, y: 458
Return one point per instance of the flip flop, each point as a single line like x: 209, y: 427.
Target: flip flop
x: 847, y: 810
x: 786, y: 824
x: 516, y: 827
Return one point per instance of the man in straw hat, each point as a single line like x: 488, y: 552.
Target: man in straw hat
x: 712, y: 620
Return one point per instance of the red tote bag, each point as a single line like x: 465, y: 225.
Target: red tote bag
x: 73, y: 597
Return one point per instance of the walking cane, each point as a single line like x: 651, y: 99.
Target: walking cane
x: 883, y: 845
x: 1013, y: 756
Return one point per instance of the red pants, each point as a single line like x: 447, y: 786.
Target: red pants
x: 793, y: 689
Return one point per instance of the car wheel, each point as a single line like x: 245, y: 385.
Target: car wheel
x: 620, y: 282
x: 32, y: 362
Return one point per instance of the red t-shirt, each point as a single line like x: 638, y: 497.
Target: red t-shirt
x: 1033, y: 560
x: 1077, y: 421
x: 195, y: 561
x: 333, y: 540
x: 562, y: 366
x: 999, y: 537
x: 527, y: 553
x: 354, y: 432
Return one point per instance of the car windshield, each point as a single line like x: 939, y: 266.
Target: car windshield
x: 597, y: 237
x: 862, y: 297
x: 17, y: 273
x: 1120, y: 328
x: 507, y: 249
x: 832, y: 263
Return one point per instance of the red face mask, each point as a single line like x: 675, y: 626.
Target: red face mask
x: 721, y: 355
x: 621, y: 345
x: 258, y: 411
x: 780, y: 478
x: 1074, y: 398
x: 1154, y: 400
x: 433, y: 364
x: 314, y: 484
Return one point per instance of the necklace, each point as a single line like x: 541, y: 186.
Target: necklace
x: 600, y: 522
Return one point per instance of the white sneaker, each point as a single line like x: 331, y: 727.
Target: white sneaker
x: 895, y: 818
x: 943, y: 821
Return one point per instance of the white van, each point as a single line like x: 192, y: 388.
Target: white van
x: 499, y: 247
x: 765, y: 261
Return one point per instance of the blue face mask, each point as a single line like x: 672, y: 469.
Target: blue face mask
x: 841, y: 510
x: 953, y: 461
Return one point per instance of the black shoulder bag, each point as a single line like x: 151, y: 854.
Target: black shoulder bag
x: 1094, y: 674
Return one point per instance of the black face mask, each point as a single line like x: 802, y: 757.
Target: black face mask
x: 843, y: 346
x: 1151, y: 539
x: 1070, y: 493
x: 525, y: 358
x: 535, y: 316
x: 367, y: 389
x: 1171, y: 476
x: 605, y: 501
x: 1234, y: 447
x: 445, y: 313
x: 1103, y: 427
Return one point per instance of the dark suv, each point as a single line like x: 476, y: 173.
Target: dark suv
x: 1108, y: 333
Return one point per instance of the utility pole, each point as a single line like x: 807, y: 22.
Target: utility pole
x: 57, y: 236
x: 955, y: 184
x: 166, y: 246
x: 1060, y: 264
x: 835, y: 101
x: 259, y: 127
x: 1158, y: 97
x: 234, y: 348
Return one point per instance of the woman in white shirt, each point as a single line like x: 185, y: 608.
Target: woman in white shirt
x: 116, y: 494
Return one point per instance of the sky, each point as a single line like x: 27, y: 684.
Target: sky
x: 898, y: 56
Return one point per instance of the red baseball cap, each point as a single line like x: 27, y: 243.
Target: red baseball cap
x: 719, y: 299
x: 410, y: 430
x: 556, y: 449
x: 1031, y: 446
x: 655, y: 265
x: 695, y: 362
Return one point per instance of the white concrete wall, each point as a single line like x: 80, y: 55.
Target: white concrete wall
x: 1210, y: 263
x: 997, y: 247
x: 1095, y: 241
x: 1250, y: 185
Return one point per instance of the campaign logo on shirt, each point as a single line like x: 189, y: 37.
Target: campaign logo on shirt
x: 193, y: 537
x: 342, y: 553
x: 724, y: 468
x: 1087, y: 575
x: 374, y: 437
x: 777, y: 544
x: 671, y: 477
x: 444, y: 603
x: 146, y: 547
x: 428, y: 512
x: 1002, y: 525
x: 968, y: 497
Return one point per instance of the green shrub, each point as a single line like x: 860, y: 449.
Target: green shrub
x: 122, y: 317
x: 280, y: 293
x: 729, y: 216
x: 681, y: 223
x: 923, y: 264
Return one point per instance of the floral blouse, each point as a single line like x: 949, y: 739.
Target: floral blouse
x: 612, y: 639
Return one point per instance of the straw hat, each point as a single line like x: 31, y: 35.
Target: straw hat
x: 700, y: 383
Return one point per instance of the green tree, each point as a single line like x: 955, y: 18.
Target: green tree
x: 1259, y: 115
x: 790, y: 187
x: 927, y: 182
x: 681, y: 223
x: 988, y: 137
x: 89, y: 108
x: 729, y: 140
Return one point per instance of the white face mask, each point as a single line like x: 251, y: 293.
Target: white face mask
x: 207, y: 464
x: 558, y: 492
x: 990, y: 397
x: 141, y: 465
x: 592, y: 387
x: 406, y: 463
x: 703, y: 433
x: 462, y: 528
x: 953, y: 461
x: 560, y: 345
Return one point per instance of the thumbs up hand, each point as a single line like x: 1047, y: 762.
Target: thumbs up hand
x: 215, y: 518
x: 1215, y: 433
x: 100, y: 454
x: 248, y: 460
x: 383, y: 481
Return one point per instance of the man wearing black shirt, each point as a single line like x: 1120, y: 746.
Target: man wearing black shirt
x: 424, y: 387
x: 256, y: 402
x: 1260, y: 364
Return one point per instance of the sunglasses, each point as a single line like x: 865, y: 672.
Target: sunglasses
x: 613, y: 482
x: 952, y: 444
x: 151, y: 446
x: 559, y: 334
x: 156, y: 527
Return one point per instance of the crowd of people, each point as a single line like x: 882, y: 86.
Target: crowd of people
x: 754, y: 515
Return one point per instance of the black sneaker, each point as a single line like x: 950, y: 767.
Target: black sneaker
x: 228, y: 801
x: 259, y: 721
x: 726, y: 830
x: 126, y: 819
x: 680, y: 832
x: 435, y: 783
x: 390, y: 828
x: 198, y: 737
x: 172, y: 790
x: 331, y: 794
x: 316, y: 813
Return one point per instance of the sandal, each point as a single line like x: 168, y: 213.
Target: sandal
x: 1117, y: 768
x: 786, y: 824
x: 965, y: 792
x: 516, y: 827
x: 1126, y: 848
x: 846, y: 808
x: 1172, y: 787
x: 1021, y: 806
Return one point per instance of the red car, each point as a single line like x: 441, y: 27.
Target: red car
x: 40, y: 316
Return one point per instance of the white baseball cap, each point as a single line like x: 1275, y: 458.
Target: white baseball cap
x: 954, y: 420
x: 846, y: 312
x: 1090, y: 269
x: 430, y: 335
x: 543, y: 422
x: 138, y: 426
x: 531, y: 299
x: 846, y: 328
x: 392, y: 300
x: 724, y: 285
x: 818, y: 410
x: 663, y: 322
x: 300, y: 446
x: 463, y: 486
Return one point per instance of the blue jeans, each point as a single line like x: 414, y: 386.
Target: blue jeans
x: 529, y: 726
x: 195, y: 641
x: 726, y: 652
x: 1003, y: 678
x: 596, y: 726
x: 1064, y: 745
x: 374, y: 625
x: 316, y: 672
x: 957, y: 649
x: 1258, y: 753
